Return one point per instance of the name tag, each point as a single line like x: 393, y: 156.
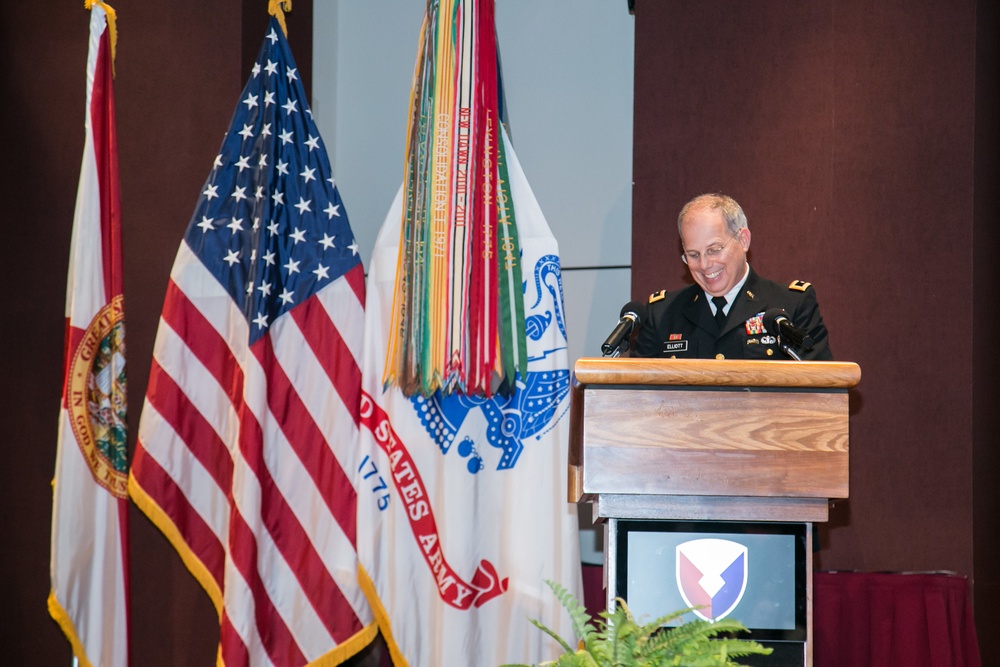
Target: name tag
x: 675, y: 346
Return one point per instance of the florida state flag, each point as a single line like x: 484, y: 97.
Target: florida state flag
x: 89, y: 559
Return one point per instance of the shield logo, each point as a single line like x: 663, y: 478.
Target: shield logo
x: 712, y: 576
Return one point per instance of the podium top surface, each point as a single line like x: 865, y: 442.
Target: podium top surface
x: 717, y: 373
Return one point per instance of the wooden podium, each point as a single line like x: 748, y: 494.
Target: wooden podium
x: 709, y: 440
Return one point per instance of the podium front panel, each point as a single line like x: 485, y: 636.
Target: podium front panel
x: 695, y: 441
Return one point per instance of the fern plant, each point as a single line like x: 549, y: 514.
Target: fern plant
x: 619, y: 641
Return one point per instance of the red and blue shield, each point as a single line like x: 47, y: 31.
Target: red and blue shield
x: 712, y: 576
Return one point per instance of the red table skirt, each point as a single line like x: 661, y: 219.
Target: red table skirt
x: 876, y: 619
x: 885, y: 620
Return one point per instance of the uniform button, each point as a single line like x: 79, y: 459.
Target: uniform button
x: 673, y: 356
x: 720, y: 356
x: 770, y: 352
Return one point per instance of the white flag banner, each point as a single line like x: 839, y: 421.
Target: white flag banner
x: 462, y: 511
x: 89, y: 557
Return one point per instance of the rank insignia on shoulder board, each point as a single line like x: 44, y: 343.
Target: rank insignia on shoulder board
x: 658, y: 296
x: 755, y: 325
x: 799, y: 285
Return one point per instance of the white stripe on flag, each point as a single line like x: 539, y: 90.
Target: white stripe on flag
x: 194, y: 480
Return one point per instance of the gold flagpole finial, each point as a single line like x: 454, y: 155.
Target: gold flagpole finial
x: 109, y: 12
x: 277, y: 9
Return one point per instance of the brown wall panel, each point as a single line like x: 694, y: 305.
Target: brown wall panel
x: 847, y: 130
x: 39, y: 170
x: 986, y: 354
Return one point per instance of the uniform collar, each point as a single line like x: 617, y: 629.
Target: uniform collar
x: 746, y: 303
x: 731, y: 294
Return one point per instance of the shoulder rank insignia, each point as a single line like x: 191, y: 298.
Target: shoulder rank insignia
x: 799, y: 286
x: 658, y: 296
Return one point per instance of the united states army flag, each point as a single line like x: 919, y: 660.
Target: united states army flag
x: 462, y: 511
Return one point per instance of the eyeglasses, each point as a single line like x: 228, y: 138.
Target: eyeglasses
x: 711, y: 252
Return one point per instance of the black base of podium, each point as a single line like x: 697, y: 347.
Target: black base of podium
x: 786, y: 654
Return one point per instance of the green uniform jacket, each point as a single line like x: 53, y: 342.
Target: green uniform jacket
x: 680, y: 324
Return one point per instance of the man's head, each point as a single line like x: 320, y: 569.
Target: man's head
x: 715, y: 240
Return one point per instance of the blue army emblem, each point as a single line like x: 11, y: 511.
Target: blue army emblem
x: 529, y: 411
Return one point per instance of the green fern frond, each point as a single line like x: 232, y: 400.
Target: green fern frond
x: 581, y: 620
x: 615, y: 639
x: 552, y: 633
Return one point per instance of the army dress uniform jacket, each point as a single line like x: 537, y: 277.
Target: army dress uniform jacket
x: 680, y: 324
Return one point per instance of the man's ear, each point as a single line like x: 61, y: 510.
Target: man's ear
x: 744, y: 235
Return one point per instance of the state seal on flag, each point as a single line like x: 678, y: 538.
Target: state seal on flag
x: 95, y: 398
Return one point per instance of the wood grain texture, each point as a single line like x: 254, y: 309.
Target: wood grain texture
x: 716, y: 443
x: 717, y: 420
x: 719, y: 373
x: 715, y: 473
x: 709, y: 508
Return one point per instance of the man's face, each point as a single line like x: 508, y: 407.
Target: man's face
x: 704, y: 231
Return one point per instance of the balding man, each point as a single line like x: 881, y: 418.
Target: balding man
x: 721, y: 316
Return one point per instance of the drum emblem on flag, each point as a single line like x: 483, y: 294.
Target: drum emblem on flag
x: 712, y: 576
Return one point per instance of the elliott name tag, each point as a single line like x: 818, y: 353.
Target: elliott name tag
x: 675, y: 346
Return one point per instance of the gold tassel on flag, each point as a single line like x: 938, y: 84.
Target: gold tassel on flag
x: 277, y: 9
x: 112, y: 20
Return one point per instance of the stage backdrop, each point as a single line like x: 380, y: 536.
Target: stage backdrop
x: 860, y: 139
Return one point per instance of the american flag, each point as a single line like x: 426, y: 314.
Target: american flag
x: 248, y: 434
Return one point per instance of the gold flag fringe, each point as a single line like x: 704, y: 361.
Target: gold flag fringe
x: 112, y: 25
x: 277, y: 9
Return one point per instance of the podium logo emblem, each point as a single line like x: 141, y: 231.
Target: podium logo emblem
x: 712, y: 576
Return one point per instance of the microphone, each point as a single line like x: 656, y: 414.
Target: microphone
x: 776, y: 321
x: 632, y: 314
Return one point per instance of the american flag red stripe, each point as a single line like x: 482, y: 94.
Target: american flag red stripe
x: 171, y: 402
x: 199, y: 336
x: 339, y: 365
x: 298, y: 427
x: 274, y: 632
x: 202, y: 541
x: 233, y: 650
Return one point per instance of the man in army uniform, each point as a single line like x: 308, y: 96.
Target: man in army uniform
x: 722, y: 315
